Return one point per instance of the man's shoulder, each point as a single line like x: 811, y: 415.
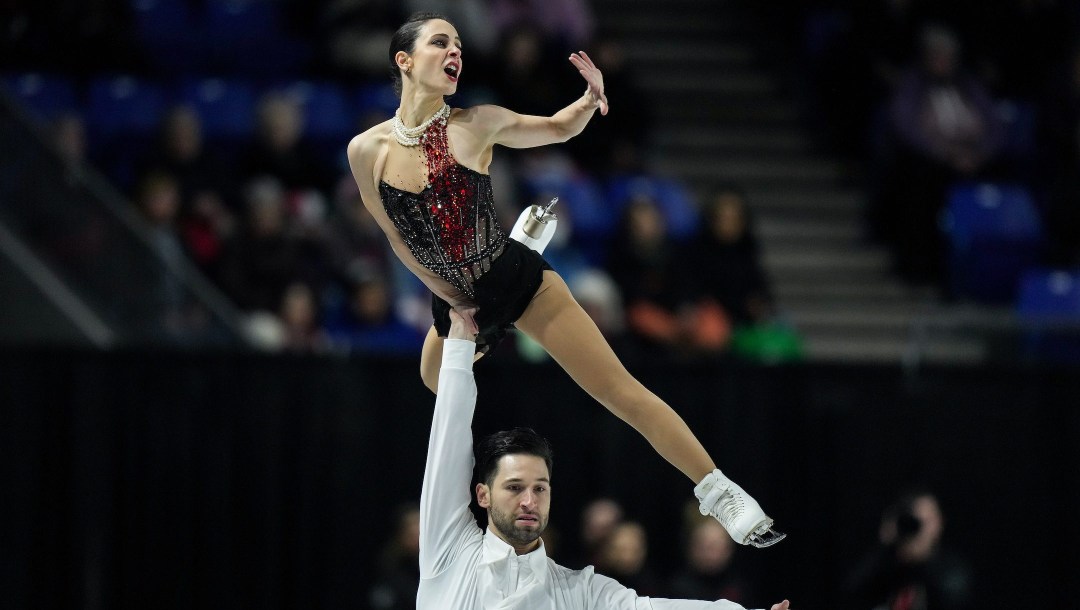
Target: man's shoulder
x: 565, y: 573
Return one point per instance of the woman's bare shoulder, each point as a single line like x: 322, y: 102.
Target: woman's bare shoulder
x: 479, y: 112
x: 369, y: 143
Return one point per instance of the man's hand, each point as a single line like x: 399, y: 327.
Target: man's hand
x: 592, y: 76
x: 462, y: 326
x: 784, y: 605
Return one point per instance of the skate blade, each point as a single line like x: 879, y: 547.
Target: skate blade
x: 765, y: 537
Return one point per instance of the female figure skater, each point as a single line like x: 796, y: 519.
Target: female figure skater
x: 423, y: 176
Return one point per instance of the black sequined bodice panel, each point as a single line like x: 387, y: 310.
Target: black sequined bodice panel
x: 450, y: 226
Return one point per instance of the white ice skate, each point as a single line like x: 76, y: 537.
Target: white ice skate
x: 536, y: 226
x: 740, y: 514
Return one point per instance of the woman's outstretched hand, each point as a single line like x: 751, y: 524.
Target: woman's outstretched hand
x: 592, y: 75
x: 784, y: 605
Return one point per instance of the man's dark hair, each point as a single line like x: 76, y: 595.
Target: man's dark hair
x: 509, y: 442
x: 404, y: 39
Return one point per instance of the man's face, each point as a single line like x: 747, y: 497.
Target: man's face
x: 518, y: 500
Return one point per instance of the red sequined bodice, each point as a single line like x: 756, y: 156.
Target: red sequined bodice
x: 450, y: 226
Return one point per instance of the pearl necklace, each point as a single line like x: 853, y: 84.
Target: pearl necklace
x: 410, y: 136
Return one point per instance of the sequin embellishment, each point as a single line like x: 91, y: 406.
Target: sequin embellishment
x: 450, y: 226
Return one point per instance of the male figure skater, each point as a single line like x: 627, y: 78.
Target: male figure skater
x: 505, y: 567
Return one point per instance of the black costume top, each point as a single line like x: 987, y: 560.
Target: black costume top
x: 450, y: 226
x: 450, y: 229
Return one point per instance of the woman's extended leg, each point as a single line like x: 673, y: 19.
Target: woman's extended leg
x: 556, y: 321
x: 561, y: 326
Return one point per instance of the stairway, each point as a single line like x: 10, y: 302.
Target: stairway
x: 722, y: 115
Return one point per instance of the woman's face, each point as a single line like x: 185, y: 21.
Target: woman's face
x: 436, y: 58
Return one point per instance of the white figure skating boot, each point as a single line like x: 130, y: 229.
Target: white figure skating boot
x: 536, y: 226
x: 740, y: 514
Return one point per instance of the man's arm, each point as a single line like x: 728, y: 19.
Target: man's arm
x: 445, y: 520
x: 608, y: 594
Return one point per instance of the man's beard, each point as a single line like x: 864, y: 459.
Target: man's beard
x: 515, y: 534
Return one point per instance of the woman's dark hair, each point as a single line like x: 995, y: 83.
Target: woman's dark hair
x: 509, y: 442
x: 404, y: 39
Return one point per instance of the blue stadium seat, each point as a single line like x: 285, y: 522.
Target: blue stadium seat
x: 377, y: 98
x: 124, y: 106
x: 674, y: 201
x: 226, y: 107
x: 122, y: 119
x: 994, y: 234
x: 1019, y: 152
x: 1050, y: 293
x: 242, y: 20
x: 582, y: 204
x: 171, y: 34
x: 327, y: 116
x: 1048, y: 304
x: 46, y: 96
x: 246, y: 37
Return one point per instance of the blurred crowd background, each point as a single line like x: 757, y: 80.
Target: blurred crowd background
x: 224, y: 122
x: 174, y: 176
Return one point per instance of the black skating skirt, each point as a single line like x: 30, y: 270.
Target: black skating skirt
x: 502, y: 294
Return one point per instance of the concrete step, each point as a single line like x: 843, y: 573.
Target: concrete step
x: 719, y: 140
x: 699, y: 21
x: 839, y: 260
x: 749, y: 171
x: 689, y: 52
x: 770, y: 199
x: 891, y: 319
x: 783, y: 229
x: 726, y: 113
x: 891, y: 351
x: 707, y: 85
x: 796, y: 291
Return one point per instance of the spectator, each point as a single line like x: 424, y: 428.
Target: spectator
x: 569, y: 23
x: 726, y: 266
x: 644, y: 263
x: 180, y: 152
x: 365, y: 320
x: 399, y: 564
x: 598, y: 521
x: 624, y: 556
x: 353, y: 239
x: 473, y: 20
x: 299, y: 318
x: 206, y: 229
x: 158, y: 199
x: 69, y: 138
x: 614, y: 145
x: 262, y: 260
x: 600, y: 298
x: 708, y: 573
x: 525, y: 82
x: 280, y: 151
x: 356, y: 34
x: 946, y: 128
x: 910, y: 569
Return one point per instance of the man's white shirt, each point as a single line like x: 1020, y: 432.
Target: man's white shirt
x: 463, y: 568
